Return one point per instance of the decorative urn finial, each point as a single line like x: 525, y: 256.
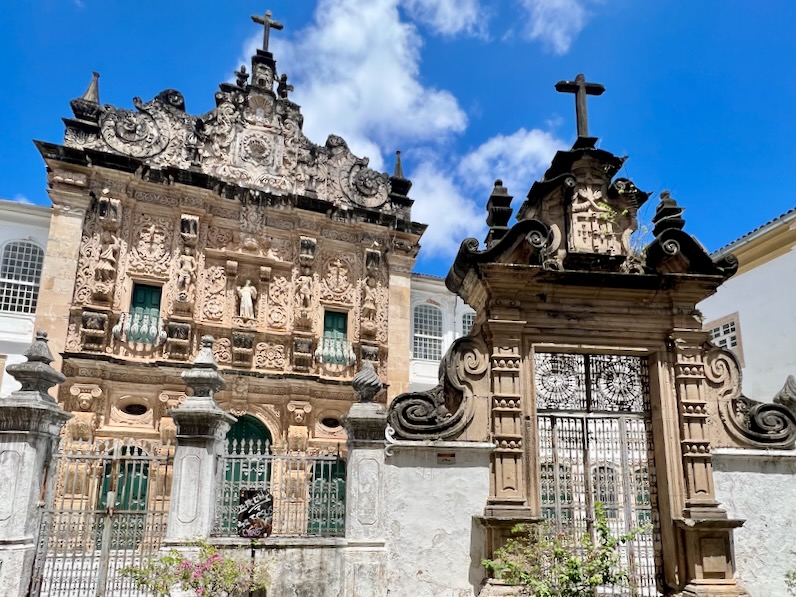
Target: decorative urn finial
x: 203, y: 378
x: 35, y: 374
x: 668, y: 215
x: 367, y: 383
x: 87, y: 107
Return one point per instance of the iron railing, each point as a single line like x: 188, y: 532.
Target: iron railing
x: 335, y: 351
x: 308, y: 490
x: 140, y: 330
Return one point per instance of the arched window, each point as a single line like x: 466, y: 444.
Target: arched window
x: 427, y: 339
x: 20, y: 272
x: 467, y: 322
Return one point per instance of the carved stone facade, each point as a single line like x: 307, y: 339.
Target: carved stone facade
x: 231, y: 224
x: 584, y: 349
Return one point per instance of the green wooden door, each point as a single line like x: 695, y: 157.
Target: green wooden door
x: 145, y: 314
x: 126, y: 473
x: 247, y: 466
x: 334, y: 338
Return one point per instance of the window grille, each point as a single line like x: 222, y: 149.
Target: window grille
x: 20, y: 274
x: 427, y: 339
x: 467, y: 323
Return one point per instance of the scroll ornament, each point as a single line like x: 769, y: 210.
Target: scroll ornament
x: 446, y: 410
x: 749, y: 422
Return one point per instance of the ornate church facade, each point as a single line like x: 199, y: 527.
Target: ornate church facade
x: 167, y: 226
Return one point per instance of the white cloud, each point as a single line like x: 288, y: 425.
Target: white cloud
x: 356, y: 69
x: 451, y: 216
x: 518, y: 159
x: 449, y: 17
x: 555, y: 22
x: 19, y: 198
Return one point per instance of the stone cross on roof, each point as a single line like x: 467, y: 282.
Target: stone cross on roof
x: 268, y: 23
x: 581, y: 89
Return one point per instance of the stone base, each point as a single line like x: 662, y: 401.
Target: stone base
x: 733, y: 590
x: 496, y: 588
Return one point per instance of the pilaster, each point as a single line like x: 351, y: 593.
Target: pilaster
x: 60, y: 268
x: 399, y: 325
x: 705, y: 530
x: 30, y: 426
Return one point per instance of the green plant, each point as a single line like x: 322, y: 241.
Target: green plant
x: 559, y: 564
x: 210, y: 574
x: 790, y: 582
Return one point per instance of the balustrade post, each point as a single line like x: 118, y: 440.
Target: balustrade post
x: 30, y: 426
x: 201, y: 436
x: 365, y: 556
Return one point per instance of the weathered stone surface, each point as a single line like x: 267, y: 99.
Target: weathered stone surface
x: 434, y: 491
x: 757, y: 485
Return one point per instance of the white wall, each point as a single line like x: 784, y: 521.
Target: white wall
x: 765, y: 299
x: 432, y: 493
x: 759, y: 486
x: 423, y: 374
x: 19, y: 221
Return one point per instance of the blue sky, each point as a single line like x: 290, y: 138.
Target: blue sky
x: 698, y: 94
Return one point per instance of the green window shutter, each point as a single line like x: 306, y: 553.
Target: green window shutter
x: 145, y: 313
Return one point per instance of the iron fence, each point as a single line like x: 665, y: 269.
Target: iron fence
x: 308, y: 490
x: 106, y: 507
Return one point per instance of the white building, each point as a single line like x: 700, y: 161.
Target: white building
x: 754, y: 312
x: 438, y: 318
x: 23, y: 239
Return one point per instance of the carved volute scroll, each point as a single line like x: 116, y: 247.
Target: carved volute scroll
x: 745, y: 422
x: 444, y: 411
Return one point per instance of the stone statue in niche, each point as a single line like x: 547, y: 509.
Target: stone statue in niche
x: 247, y: 295
x: 186, y: 271
x: 305, y: 292
x: 369, y: 299
x: 106, y: 268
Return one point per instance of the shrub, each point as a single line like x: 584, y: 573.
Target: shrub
x: 559, y: 564
x: 211, y: 574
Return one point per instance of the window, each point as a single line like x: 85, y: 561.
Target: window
x: 144, y: 320
x: 726, y: 333
x: 467, y: 322
x: 427, y: 340
x: 20, y: 273
x: 334, y: 344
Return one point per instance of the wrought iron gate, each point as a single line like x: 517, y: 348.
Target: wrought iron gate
x: 106, y: 507
x: 595, y: 444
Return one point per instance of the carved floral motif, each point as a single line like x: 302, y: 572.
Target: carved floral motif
x: 269, y: 355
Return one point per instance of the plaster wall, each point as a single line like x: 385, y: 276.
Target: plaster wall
x: 758, y: 485
x: 19, y: 221
x: 423, y: 374
x: 763, y: 299
x: 432, y: 493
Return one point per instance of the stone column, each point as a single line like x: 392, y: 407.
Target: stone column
x: 30, y: 424
x: 365, y: 554
x: 201, y: 430
x: 706, y: 531
x: 399, y: 322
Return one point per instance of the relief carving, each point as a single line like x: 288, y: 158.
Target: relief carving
x: 150, y: 249
x: 270, y: 355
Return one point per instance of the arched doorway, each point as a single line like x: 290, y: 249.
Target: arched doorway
x: 247, y: 467
x: 123, y: 487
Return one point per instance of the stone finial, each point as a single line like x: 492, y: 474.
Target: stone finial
x: 203, y: 378
x: 367, y: 383
x: 499, y: 211
x: 787, y: 395
x: 87, y: 106
x: 668, y: 215
x: 36, y: 375
x: 400, y: 184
